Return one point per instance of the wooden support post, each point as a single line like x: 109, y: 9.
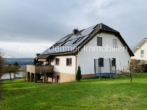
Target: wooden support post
x: 115, y: 72
x: 44, y: 78
x: 35, y: 77
x: 27, y: 76
x: 30, y: 77
x: 49, y: 62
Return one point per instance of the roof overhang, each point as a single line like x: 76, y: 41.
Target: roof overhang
x: 42, y: 57
x: 139, y: 44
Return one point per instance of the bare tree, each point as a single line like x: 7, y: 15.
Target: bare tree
x: 128, y: 70
x: 12, y: 69
x: 6, y: 69
x: 25, y: 74
x: 2, y: 65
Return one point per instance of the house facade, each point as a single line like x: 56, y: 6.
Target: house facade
x: 140, y: 50
x: 81, y: 48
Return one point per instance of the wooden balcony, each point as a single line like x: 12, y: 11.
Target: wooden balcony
x: 40, y: 69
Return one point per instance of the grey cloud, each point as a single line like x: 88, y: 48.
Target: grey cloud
x: 49, y: 20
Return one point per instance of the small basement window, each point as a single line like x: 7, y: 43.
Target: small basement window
x: 69, y: 62
x: 99, y: 41
x: 113, y: 62
x: 57, y: 61
x: 101, y: 62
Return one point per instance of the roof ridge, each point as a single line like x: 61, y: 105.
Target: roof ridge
x: 102, y: 24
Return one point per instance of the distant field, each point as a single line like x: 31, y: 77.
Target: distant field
x: 19, y: 60
x: 89, y: 94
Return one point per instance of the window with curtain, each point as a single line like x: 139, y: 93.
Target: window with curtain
x: 57, y: 61
x: 69, y: 61
x: 99, y: 41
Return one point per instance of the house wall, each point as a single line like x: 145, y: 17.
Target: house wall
x: 63, y: 77
x: 65, y: 73
x: 62, y: 64
x: 137, y: 52
x: 86, y: 58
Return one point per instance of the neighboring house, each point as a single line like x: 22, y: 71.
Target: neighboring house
x: 95, y: 49
x: 140, y: 50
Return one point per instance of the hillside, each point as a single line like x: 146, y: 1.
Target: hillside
x: 22, y: 61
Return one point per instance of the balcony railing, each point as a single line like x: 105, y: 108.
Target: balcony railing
x: 40, y: 69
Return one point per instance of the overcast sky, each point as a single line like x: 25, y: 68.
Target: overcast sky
x: 37, y: 24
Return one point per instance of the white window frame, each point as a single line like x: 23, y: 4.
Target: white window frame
x: 115, y: 43
x: 142, y: 55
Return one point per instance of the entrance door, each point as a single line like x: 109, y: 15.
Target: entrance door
x: 58, y: 80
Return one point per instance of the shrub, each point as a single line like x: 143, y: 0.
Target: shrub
x: 16, y: 64
x: 78, y: 76
x: 34, y: 61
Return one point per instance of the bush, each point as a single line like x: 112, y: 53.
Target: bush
x: 34, y: 61
x: 78, y: 76
x: 16, y: 64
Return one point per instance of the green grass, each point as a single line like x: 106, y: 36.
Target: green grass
x: 89, y: 94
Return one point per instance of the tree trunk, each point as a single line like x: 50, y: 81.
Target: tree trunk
x: 10, y: 77
x: 130, y: 78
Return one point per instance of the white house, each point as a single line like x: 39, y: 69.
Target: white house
x: 140, y: 50
x: 97, y: 50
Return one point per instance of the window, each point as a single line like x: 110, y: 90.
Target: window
x: 101, y: 62
x: 57, y: 61
x: 69, y: 61
x: 113, y: 62
x: 55, y: 45
x: 65, y: 43
x: 99, y: 41
x: 51, y: 47
x: 78, y: 40
x: 142, y: 53
x: 114, y: 42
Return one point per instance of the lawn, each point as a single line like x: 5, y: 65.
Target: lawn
x: 89, y: 94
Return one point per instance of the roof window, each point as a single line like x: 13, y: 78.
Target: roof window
x: 78, y: 40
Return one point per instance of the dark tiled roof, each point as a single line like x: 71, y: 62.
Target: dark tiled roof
x: 86, y: 35
x: 107, y: 28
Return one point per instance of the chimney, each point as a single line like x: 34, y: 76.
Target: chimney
x: 75, y: 31
x: 37, y: 54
